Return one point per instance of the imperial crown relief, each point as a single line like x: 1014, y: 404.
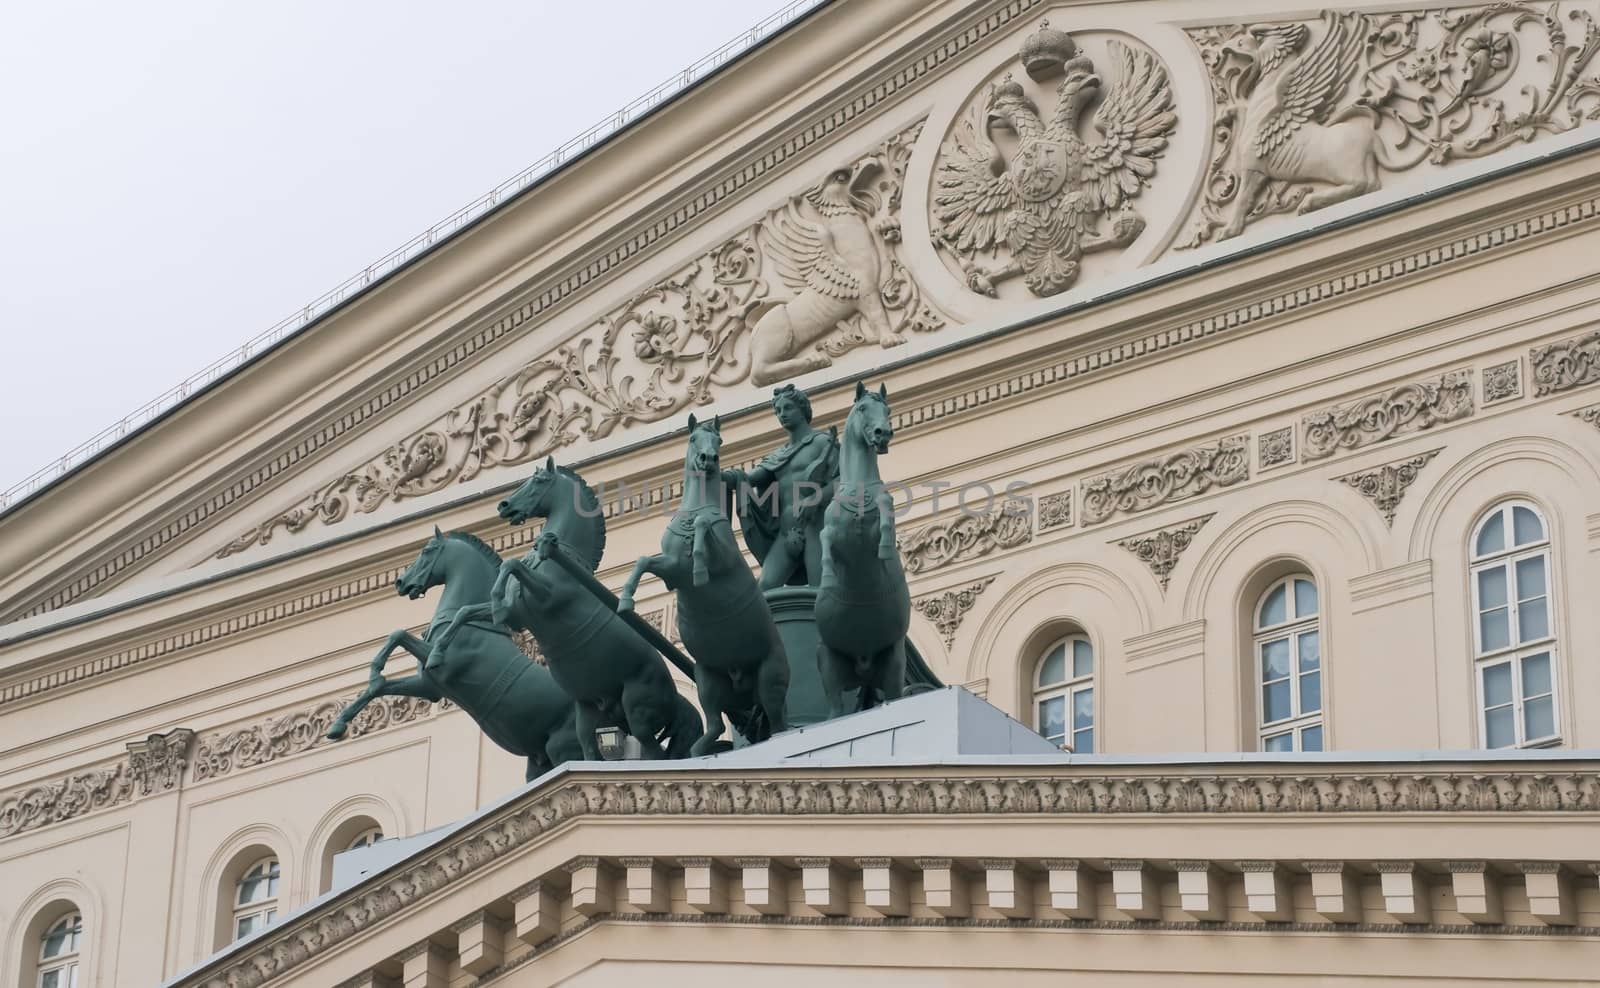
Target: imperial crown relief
x: 1075, y: 155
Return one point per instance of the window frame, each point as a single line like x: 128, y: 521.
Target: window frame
x: 70, y: 960
x: 1516, y: 650
x: 1291, y: 629
x: 365, y: 838
x: 1068, y: 689
x: 266, y: 907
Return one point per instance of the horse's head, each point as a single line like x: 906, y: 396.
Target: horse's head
x: 420, y: 575
x: 532, y: 499
x: 869, y: 419
x: 705, y: 446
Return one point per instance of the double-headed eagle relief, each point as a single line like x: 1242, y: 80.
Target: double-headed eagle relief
x: 1028, y: 189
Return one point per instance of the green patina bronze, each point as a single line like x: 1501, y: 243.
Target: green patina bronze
x: 784, y: 497
x: 515, y: 701
x: 740, y: 666
x: 863, y: 606
x: 609, y: 668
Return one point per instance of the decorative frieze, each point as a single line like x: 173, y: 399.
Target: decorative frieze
x: 947, y: 609
x: 1166, y: 479
x: 969, y: 535
x: 1566, y: 364
x: 1502, y: 382
x: 1408, y: 408
x: 1590, y: 415
x: 1161, y: 550
x: 157, y: 762
x: 278, y: 737
x: 1385, y: 486
x: 65, y: 798
x: 1055, y: 511
x: 1275, y: 448
x: 1310, y: 112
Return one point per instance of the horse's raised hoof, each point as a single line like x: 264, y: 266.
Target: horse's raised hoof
x: 337, y: 731
x: 701, y: 576
x: 624, y: 605
x: 886, y: 551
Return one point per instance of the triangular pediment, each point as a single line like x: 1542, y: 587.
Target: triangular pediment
x: 880, y: 185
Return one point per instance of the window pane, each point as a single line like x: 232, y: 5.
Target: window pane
x: 1275, y: 609
x: 1311, y: 693
x: 1082, y: 659
x: 252, y: 889
x: 1053, y: 718
x: 1539, y: 718
x: 51, y: 979
x: 1533, y: 620
x: 1536, y: 674
x: 1525, y: 526
x: 1530, y: 577
x: 1492, y: 536
x: 1491, y: 588
x: 244, y: 926
x: 271, y: 915
x: 272, y: 883
x: 1274, y: 659
x: 1497, y: 685
x: 55, y: 943
x: 1279, y: 742
x: 1494, y: 629
x: 1082, y: 709
x: 1305, y: 598
x: 1083, y: 742
x: 1275, y: 701
x: 1311, y: 738
x: 1310, y: 651
x: 1053, y: 669
x: 1500, y: 725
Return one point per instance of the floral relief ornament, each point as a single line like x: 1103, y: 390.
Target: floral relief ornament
x: 815, y: 278
x: 1028, y: 189
x: 946, y: 610
x: 1308, y: 115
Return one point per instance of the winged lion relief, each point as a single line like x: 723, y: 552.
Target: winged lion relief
x: 1037, y: 175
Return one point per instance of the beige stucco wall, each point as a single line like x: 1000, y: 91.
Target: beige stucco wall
x: 248, y: 651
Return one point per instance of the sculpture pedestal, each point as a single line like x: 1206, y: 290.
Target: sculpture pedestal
x: 794, y: 611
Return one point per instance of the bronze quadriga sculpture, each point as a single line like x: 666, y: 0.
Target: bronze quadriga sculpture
x: 515, y: 701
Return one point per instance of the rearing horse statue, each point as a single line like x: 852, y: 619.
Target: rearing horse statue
x: 863, y: 605
x: 723, y: 619
x: 514, y: 700
x: 612, y: 673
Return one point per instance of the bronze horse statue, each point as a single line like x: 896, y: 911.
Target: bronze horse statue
x: 612, y: 673
x: 723, y: 619
x: 514, y: 700
x: 863, y: 606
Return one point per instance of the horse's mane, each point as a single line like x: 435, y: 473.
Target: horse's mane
x: 483, y: 548
x: 590, y: 503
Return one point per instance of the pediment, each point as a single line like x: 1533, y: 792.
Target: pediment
x: 974, y: 168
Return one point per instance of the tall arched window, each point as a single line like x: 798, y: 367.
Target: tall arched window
x: 1288, y: 661
x: 1514, y: 638
x: 1063, y: 694
x: 58, y: 952
x: 255, y: 898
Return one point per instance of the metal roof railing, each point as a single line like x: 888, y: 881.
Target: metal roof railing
x: 404, y: 254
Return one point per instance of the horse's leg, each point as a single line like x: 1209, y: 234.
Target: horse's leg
x: 772, y: 688
x: 654, y: 565
x: 715, y: 693
x: 586, y: 718
x: 826, y: 536
x: 886, y: 546
x: 433, y: 655
x: 834, y: 667
x: 420, y: 685
x: 685, y: 725
x: 700, y: 553
x: 892, y: 671
x: 647, y: 714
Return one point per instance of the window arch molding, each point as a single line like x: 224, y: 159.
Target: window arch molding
x: 333, y: 833
x: 42, y: 909
x: 221, y: 875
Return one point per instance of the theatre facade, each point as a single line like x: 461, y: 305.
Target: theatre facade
x: 1244, y: 374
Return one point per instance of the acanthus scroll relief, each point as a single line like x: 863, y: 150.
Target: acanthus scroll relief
x: 1313, y: 112
x: 817, y: 277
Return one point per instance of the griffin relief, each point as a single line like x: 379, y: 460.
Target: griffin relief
x: 1028, y: 190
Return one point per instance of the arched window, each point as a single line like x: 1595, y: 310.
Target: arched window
x: 1063, y: 694
x: 1288, y: 661
x: 255, y: 898
x: 1513, y: 635
x: 58, y: 952
x: 366, y: 838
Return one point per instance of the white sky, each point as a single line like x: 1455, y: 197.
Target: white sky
x: 175, y: 177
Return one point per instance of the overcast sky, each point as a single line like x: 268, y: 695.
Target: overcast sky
x: 175, y: 177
